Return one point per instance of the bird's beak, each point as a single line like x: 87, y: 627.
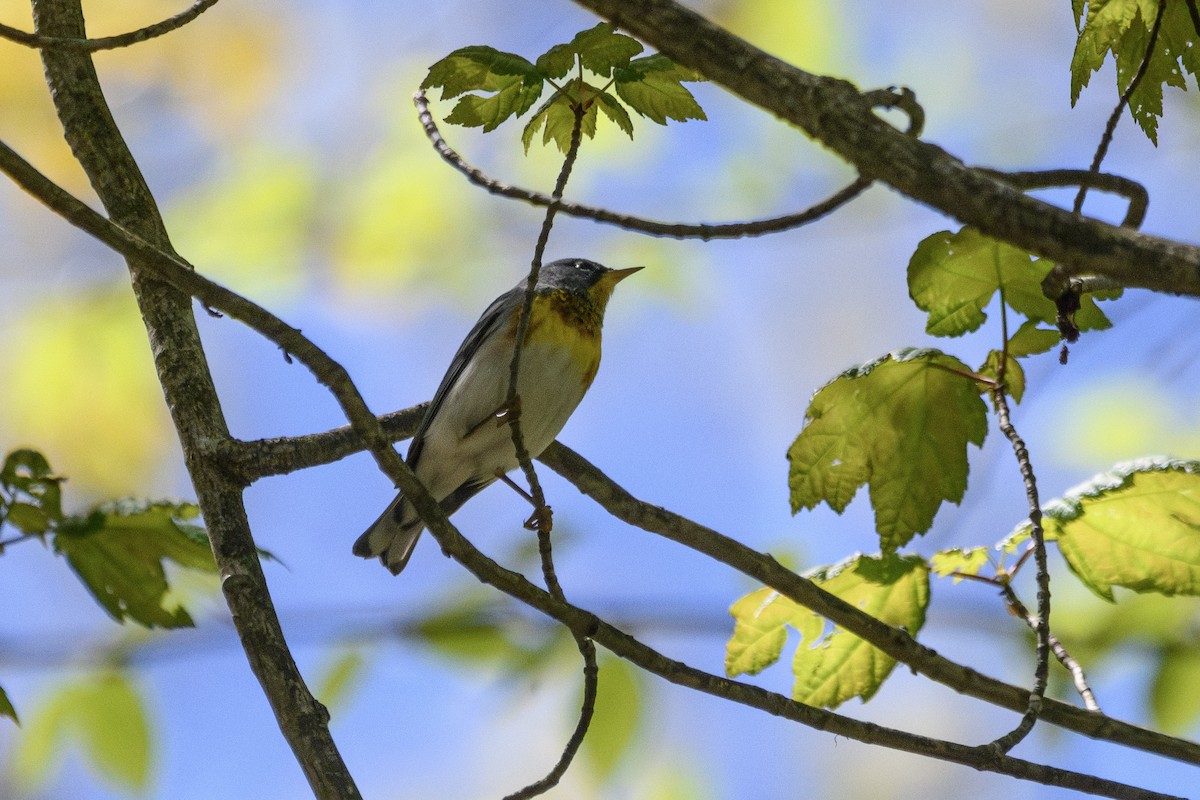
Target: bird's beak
x: 617, y: 275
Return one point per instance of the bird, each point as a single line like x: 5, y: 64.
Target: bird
x: 464, y: 442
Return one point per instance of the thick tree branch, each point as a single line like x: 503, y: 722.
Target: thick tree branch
x: 190, y: 395
x: 834, y: 113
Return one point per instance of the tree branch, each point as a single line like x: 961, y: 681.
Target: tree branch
x: 676, y: 230
x: 81, y: 44
x: 190, y: 394
x: 834, y: 113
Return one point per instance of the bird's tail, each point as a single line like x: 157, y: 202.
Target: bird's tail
x: 392, y: 537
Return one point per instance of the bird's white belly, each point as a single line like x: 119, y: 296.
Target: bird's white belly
x: 466, y: 442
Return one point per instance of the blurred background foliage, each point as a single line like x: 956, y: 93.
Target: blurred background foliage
x: 283, y: 149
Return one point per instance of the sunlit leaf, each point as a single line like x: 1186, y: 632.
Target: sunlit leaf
x: 118, y: 552
x: 653, y: 87
x: 953, y: 276
x: 1137, y: 526
x: 1122, y: 28
x: 761, y: 620
x: 556, y: 117
x: 959, y: 562
x: 830, y: 668
x: 1014, y: 373
x: 901, y: 424
x: 1031, y: 339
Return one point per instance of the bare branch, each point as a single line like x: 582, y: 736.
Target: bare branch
x: 1060, y: 650
x: 107, y: 42
x: 676, y: 230
x: 1042, y: 626
x: 836, y: 114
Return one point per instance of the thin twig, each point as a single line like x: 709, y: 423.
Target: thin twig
x: 541, y: 512
x: 677, y: 230
x: 1060, y: 651
x: 108, y: 42
x: 1194, y: 13
x: 1042, y: 670
x: 1131, y: 190
x: 1111, y: 126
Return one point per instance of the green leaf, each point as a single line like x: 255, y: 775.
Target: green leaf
x: 1173, y: 696
x: 830, y: 668
x: 953, y: 276
x: 600, y: 48
x: 617, y: 719
x: 1122, y: 28
x: 761, y: 619
x: 339, y: 677
x: 653, y: 87
x: 556, y: 117
x: 26, y: 474
x: 1030, y: 340
x: 900, y: 424
x: 28, y: 518
x: 118, y: 552
x: 1137, y: 526
x: 6, y: 707
x: 104, y: 715
x: 1014, y: 374
x: 616, y: 112
x: 959, y: 562
x: 476, y: 68
x: 511, y: 85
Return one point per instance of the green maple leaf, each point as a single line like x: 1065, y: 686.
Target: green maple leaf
x: 510, y: 85
x: 1122, y: 28
x: 1137, y: 526
x: 118, y: 552
x: 34, y: 492
x: 494, y: 86
x: 598, y: 49
x: 900, y: 424
x: 953, y: 277
x: 831, y: 667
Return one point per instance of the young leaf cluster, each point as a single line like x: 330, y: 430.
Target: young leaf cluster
x: 597, y: 72
x: 1122, y: 28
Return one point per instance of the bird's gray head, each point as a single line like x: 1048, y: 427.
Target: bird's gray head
x: 578, y: 275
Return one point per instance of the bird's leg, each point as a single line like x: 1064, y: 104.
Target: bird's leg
x: 542, y: 518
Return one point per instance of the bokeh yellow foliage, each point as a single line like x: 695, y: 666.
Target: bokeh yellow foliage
x: 79, y: 385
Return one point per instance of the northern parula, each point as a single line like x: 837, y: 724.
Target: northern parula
x: 463, y: 443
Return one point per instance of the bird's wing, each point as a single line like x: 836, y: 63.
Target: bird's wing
x: 494, y: 318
